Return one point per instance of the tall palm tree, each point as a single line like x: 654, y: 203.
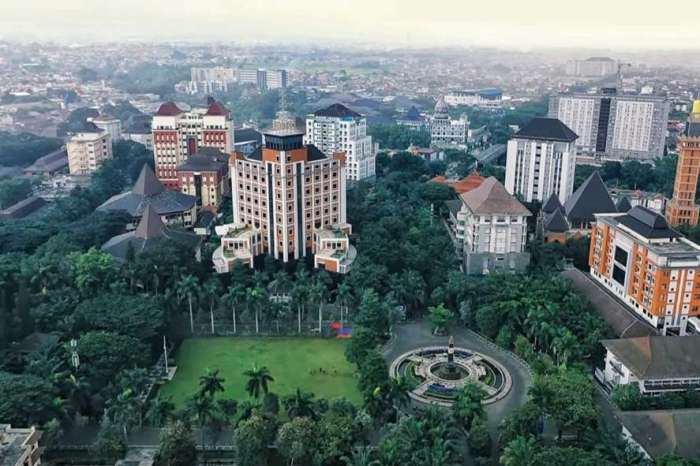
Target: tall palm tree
x: 234, y: 297
x: 519, y: 452
x: 343, y: 297
x: 399, y: 389
x: 258, y: 380
x: 318, y: 293
x: 361, y: 456
x: 187, y: 287
x: 301, y: 404
x: 160, y: 411
x: 124, y: 411
x: 210, y: 383
x: 212, y: 292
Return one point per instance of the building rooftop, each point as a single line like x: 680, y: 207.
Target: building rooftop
x: 667, y: 432
x: 647, y: 223
x: 87, y: 136
x: 552, y: 204
x: 491, y: 197
x: 168, y: 109
x: 217, y: 109
x: 206, y: 159
x: 337, y: 111
x: 555, y: 222
x: 623, y: 205
x: 657, y: 356
x: 466, y: 184
x: 590, y: 198
x: 550, y: 129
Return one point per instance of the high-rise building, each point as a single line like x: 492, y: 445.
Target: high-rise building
x: 288, y: 199
x: 339, y: 129
x: 264, y: 79
x: 445, y: 131
x: 682, y: 210
x: 205, y: 176
x: 210, y: 80
x: 484, y: 98
x: 109, y: 124
x: 649, y: 266
x: 87, y: 151
x: 540, y: 161
x: 613, y: 126
x: 276, y: 79
x: 178, y: 134
x: 594, y: 67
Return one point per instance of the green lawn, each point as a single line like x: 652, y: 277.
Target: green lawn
x: 293, y: 362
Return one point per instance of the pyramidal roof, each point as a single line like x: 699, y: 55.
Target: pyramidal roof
x: 623, y: 205
x: 337, y: 110
x: 552, y: 204
x: 549, y: 129
x: 491, y: 197
x: 150, y: 226
x: 168, y: 109
x: 147, y: 184
x: 217, y: 109
x: 590, y: 198
x: 440, y: 106
x: 556, y: 222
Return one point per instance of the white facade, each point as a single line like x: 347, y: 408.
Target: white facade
x: 536, y: 169
x: 448, y: 132
x: 87, y: 151
x: 209, y: 80
x: 111, y: 125
x: 593, y: 67
x: 344, y: 134
x: 486, y: 98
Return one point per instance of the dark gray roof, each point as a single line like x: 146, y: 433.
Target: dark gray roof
x: 247, y: 135
x: 206, y: 159
x: 590, y: 198
x: 550, y: 129
x: 552, y: 204
x: 148, y: 191
x: 337, y: 110
x: 556, y: 222
x: 150, y: 232
x: 315, y: 153
x: 454, y: 206
x: 51, y: 162
x: 623, y: 205
x: 648, y: 223
x: 658, y: 356
x: 668, y: 432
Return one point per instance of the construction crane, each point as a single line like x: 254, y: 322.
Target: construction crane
x: 620, y: 66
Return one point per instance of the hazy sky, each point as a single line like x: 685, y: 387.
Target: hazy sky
x: 505, y: 23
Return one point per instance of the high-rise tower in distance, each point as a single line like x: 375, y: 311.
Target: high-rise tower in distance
x: 682, y: 210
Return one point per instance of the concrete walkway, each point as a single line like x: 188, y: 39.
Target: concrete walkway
x: 418, y: 334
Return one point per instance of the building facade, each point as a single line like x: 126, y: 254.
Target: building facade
x: 264, y: 79
x: 648, y: 266
x: 87, y: 151
x: 682, y: 210
x: 283, y: 195
x: 489, y: 227
x: 446, y: 132
x: 540, y: 161
x: 484, y: 98
x: 212, y: 79
x: 205, y: 176
x: 612, y: 126
x: 339, y: 129
x: 594, y: 67
x: 178, y: 134
x: 111, y: 125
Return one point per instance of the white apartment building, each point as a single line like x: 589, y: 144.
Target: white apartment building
x: 445, y: 131
x: 483, y: 98
x: 264, y: 79
x: 178, y: 134
x: 212, y: 79
x: 540, y: 161
x: 276, y: 79
x: 614, y: 127
x: 339, y: 129
x: 109, y: 124
x: 87, y: 151
x: 594, y: 67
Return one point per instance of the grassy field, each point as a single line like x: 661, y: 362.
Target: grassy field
x: 293, y: 362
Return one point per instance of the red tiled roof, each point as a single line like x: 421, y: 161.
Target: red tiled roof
x: 464, y: 185
x: 168, y: 109
x: 217, y: 109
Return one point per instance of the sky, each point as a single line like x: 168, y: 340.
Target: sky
x: 520, y: 24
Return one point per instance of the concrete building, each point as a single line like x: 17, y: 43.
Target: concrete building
x: 338, y: 129
x: 682, y: 210
x: 657, y: 364
x: 445, y: 131
x: 87, y: 151
x: 205, y: 176
x: 540, y: 161
x: 19, y: 447
x: 276, y: 79
x: 660, y: 433
x: 178, y: 134
x: 489, y: 227
x: 594, y: 67
x: 484, y: 98
x: 109, y: 124
x: 612, y: 126
x: 264, y: 79
x: 648, y: 266
x: 211, y: 79
x: 283, y: 195
x: 625, y: 199
x: 413, y: 120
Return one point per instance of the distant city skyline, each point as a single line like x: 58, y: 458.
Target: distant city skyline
x: 620, y: 24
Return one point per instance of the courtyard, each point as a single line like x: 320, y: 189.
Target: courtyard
x: 315, y: 365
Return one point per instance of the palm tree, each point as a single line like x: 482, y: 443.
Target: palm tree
x: 361, y: 456
x: 160, y: 411
x: 256, y: 296
x: 519, y: 452
x: 399, y: 389
x: 318, y: 293
x: 258, y: 379
x: 124, y: 410
x: 210, y: 383
x: 235, y: 295
x: 343, y: 297
x: 301, y: 404
x: 300, y: 291
x: 212, y: 291
x: 204, y: 410
x: 186, y: 288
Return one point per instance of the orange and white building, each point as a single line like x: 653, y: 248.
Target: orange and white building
x: 649, y: 266
x: 178, y: 134
x: 289, y: 193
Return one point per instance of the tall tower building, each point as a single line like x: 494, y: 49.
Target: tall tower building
x: 339, y: 129
x: 682, y: 210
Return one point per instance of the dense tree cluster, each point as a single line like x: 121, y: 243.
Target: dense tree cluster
x: 631, y: 174
x: 398, y: 137
x: 22, y: 149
